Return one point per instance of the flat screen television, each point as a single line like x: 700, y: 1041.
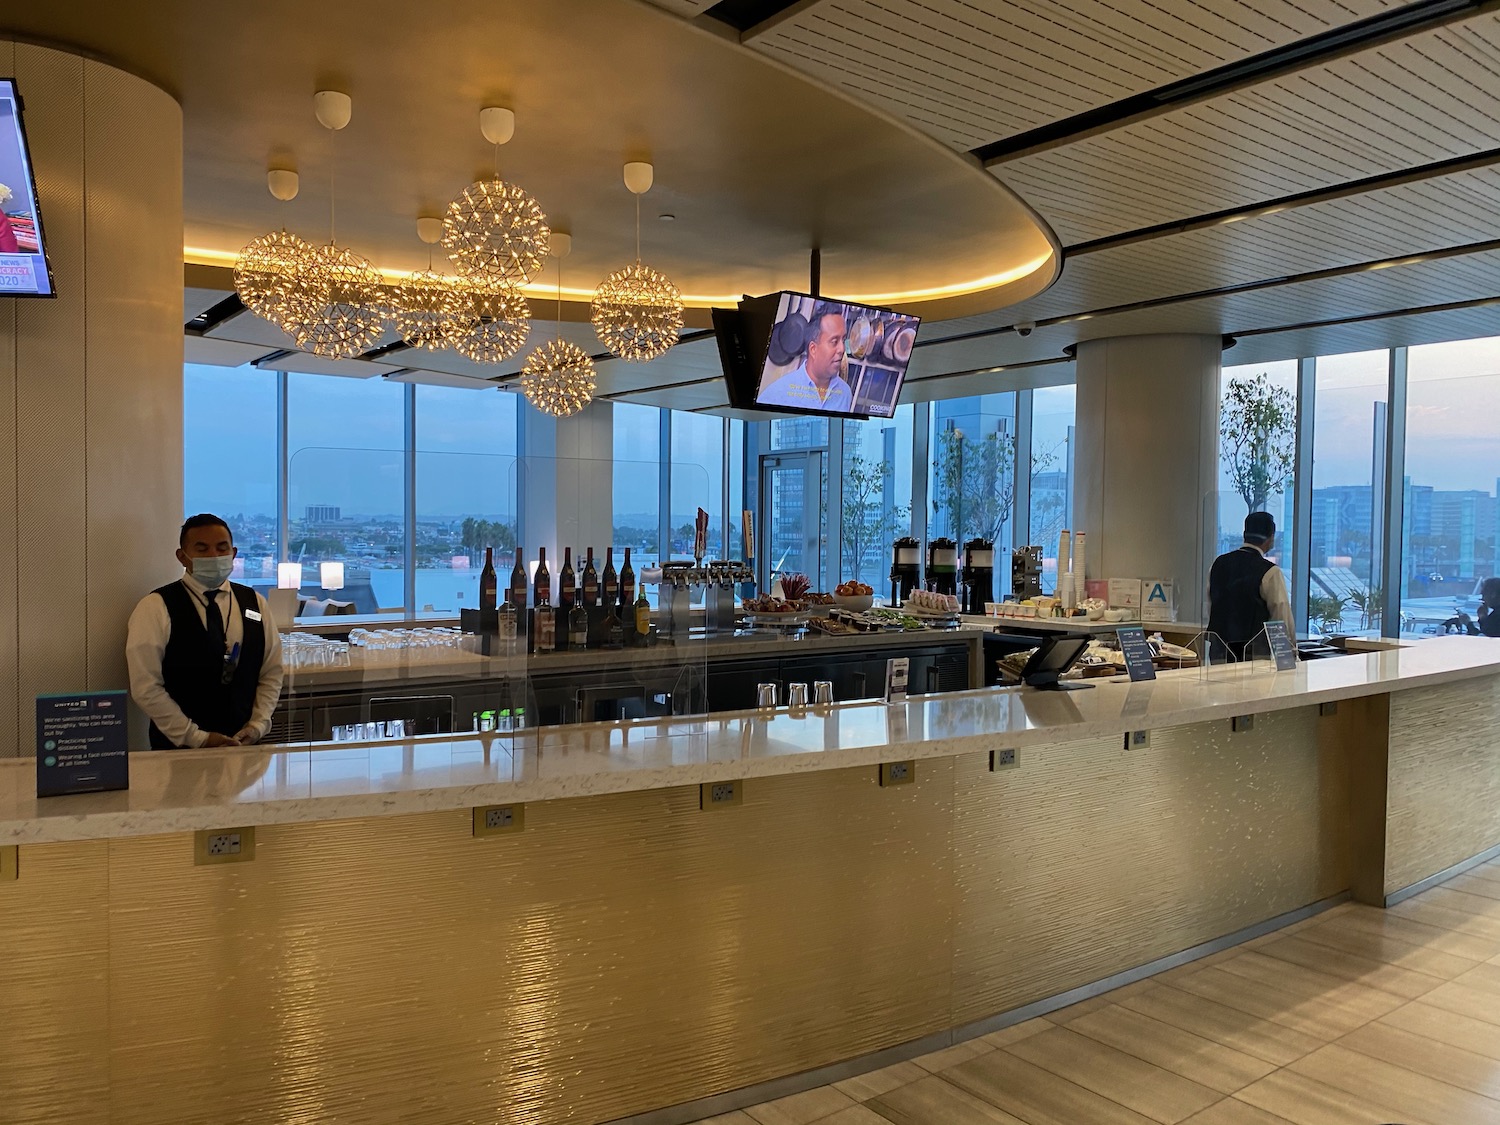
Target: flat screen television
x: 798, y: 354
x: 24, y: 271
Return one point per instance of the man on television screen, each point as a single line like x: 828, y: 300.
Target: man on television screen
x: 816, y: 383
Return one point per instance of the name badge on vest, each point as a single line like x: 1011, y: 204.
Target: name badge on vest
x: 252, y: 615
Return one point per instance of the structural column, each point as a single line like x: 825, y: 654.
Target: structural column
x: 1146, y: 467
x: 90, y: 382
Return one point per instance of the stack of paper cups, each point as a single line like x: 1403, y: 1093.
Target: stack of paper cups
x: 1078, y: 560
x: 1066, y: 592
x: 1064, y: 563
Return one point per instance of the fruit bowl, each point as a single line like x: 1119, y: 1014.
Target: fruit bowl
x: 856, y: 602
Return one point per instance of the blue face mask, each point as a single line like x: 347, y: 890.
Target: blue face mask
x: 212, y: 570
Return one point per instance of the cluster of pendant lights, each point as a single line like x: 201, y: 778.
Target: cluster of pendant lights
x: 332, y: 303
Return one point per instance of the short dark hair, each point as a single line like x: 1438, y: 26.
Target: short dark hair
x: 815, y: 322
x: 1260, y: 527
x: 202, y: 519
x: 1489, y: 591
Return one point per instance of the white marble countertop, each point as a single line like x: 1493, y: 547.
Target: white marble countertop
x: 178, y: 791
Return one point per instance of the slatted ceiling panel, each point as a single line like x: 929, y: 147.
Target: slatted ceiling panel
x: 686, y: 8
x: 1432, y: 96
x: 1428, y: 328
x: 970, y: 73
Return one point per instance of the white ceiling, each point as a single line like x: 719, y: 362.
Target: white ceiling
x: 974, y: 72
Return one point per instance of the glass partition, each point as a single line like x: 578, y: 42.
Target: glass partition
x: 1257, y: 453
x: 877, y: 491
x: 229, y: 424
x: 346, y: 528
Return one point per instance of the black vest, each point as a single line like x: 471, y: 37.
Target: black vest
x: 1237, y: 611
x: 193, y: 674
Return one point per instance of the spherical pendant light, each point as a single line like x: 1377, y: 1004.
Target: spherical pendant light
x: 637, y: 313
x: 428, y: 310
x: 265, y: 274
x: 495, y: 230
x: 498, y: 320
x: 559, y: 378
x: 335, y: 311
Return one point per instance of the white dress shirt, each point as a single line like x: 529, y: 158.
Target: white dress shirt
x: 146, y: 643
x: 796, y: 388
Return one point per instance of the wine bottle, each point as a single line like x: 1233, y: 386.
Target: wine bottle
x: 614, y: 628
x: 627, y: 585
x: 590, y: 582
x: 578, y: 628
x: 567, y: 582
x: 489, y: 583
x: 517, y: 593
x: 611, y: 585
x: 642, y: 619
x: 542, y: 584
x: 546, y: 628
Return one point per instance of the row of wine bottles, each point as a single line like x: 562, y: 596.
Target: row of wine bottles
x: 588, y: 590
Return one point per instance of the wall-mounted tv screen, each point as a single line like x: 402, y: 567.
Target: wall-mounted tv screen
x: 23, y: 253
x: 795, y: 353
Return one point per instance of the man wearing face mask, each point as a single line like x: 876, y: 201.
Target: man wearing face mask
x: 203, y: 652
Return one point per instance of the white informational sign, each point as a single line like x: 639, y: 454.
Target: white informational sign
x: 1156, y: 600
x: 896, y: 671
x: 1124, y: 593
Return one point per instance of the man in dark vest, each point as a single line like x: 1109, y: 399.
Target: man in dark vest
x: 1246, y: 589
x: 203, y: 652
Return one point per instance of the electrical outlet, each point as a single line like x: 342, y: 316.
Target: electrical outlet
x: 223, y: 845
x: 1242, y: 723
x: 1328, y: 708
x: 898, y: 773
x: 1003, y: 760
x: 720, y: 794
x: 10, y: 864
x: 491, y: 820
x: 1137, y: 740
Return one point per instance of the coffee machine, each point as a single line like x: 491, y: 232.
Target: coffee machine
x: 942, y: 566
x: 906, y: 569
x: 1026, y: 573
x: 978, y: 575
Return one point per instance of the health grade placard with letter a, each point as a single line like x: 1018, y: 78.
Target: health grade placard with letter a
x: 81, y: 743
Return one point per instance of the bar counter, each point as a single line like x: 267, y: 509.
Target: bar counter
x: 629, y: 954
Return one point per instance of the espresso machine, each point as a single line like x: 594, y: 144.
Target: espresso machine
x: 1026, y: 573
x: 942, y: 566
x: 906, y: 569
x: 978, y: 575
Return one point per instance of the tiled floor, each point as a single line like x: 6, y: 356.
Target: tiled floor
x: 1355, y: 1017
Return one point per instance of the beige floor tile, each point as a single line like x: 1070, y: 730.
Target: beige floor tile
x: 1476, y: 883
x: 803, y: 1108
x: 1103, y: 1000
x: 1456, y: 1030
x: 1419, y: 932
x: 1220, y: 1023
x: 1232, y: 1111
x: 1201, y: 963
x: 1191, y: 1056
x: 933, y: 1101
x: 1484, y: 977
x: 1466, y: 1001
x: 952, y: 1056
x: 863, y: 1087
x: 1457, y: 898
x: 1419, y: 957
x: 1346, y: 966
x: 1409, y: 1095
x: 1446, y: 1063
x: 738, y: 1117
x: 1303, y: 1101
x: 1016, y: 1032
x: 1293, y: 1004
x: 1139, y: 1085
x: 854, y: 1115
x: 1434, y: 912
x: 1037, y: 1096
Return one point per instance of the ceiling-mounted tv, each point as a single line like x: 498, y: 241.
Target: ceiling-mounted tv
x: 24, y: 271
x: 796, y: 353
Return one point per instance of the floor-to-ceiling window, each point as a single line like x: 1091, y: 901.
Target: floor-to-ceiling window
x: 1257, y: 452
x: 346, y: 488
x: 876, y: 494
x: 1348, y: 482
x: 230, y: 425
x: 696, y: 480
x: 466, y: 485
x: 637, y: 484
x: 1452, y: 471
x: 1054, y: 413
x: 971, y: 484
x: 794, y: 496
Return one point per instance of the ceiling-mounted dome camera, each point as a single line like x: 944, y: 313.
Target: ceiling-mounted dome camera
x: 1026, y: 327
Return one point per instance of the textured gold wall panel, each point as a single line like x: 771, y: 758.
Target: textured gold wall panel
x: 92, y: 382
x: 619, y: 954
x: 1091, y: 859
x: 54, y: 994
x: 1443, y: 795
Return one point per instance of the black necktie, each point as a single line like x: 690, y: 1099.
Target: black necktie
x: 214, y: 622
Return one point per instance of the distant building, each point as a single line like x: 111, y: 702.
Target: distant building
x: 320, y: 513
